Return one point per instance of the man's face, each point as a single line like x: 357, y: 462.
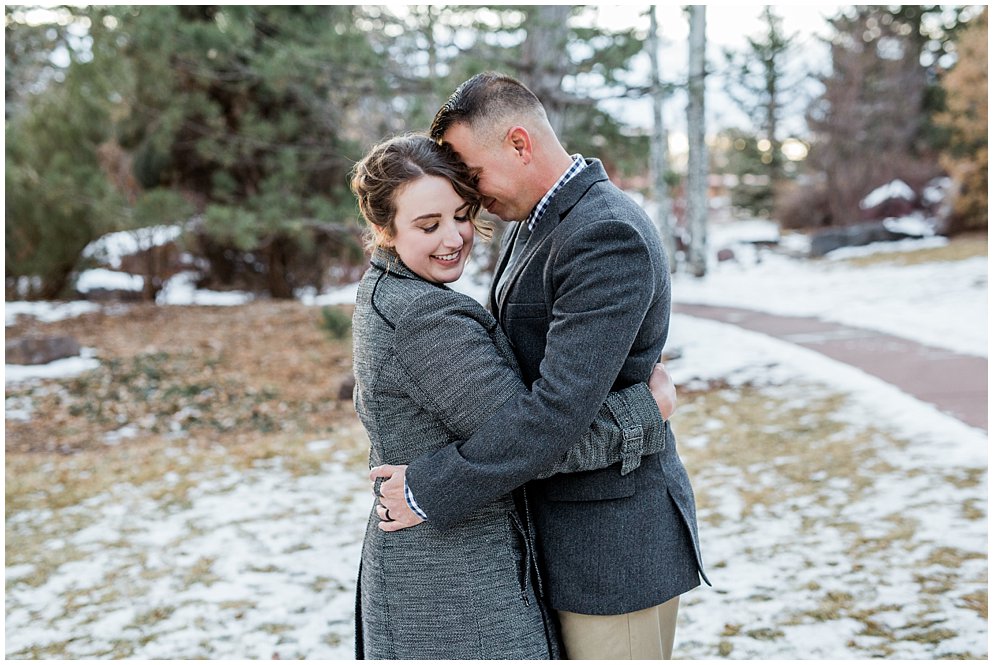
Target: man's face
x: 500, y: 168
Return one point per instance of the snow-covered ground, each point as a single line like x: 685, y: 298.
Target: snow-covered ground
x: 279, y: 552
x: 274, y: 556
x: 940, y: 304
x: 770, y: 560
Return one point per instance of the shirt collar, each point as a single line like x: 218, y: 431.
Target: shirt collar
x: 578, y: 164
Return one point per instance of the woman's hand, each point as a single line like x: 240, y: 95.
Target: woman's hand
x: 663, y: 390
x: 393, y: 509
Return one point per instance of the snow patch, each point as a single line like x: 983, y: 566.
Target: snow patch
x: 181, y: 290
x: 112, y: 247
x: 112, y: 280
x: 896, y: 189
x: 58, y: 369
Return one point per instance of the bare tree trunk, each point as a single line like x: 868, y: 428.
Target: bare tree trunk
x: 660, y: 148
x: 696, y: 177
x: 543, y: 57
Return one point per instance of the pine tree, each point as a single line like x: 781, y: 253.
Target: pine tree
x: 58, y: 199
x: 759, y: 83
x: 240, y: 109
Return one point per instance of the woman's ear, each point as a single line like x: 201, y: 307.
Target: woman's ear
x: 382, y: 237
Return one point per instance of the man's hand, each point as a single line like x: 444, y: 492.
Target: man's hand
x: 663, y: 390
x: 393, y: 509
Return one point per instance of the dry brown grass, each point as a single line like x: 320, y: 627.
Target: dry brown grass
x: 194, y: 372
x: 274, y: 378
x: 774, y: 450
x: 959, y: 248
x: 280, y: 374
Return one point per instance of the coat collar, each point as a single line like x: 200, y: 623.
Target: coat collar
x: 558, y: 207
x: 388, y: 261
x: 574, y: 190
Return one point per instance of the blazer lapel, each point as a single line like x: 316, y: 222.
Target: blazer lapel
x: 506, y: 244
x: 558, y: 207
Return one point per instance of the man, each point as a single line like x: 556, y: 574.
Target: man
x: 582, y: 291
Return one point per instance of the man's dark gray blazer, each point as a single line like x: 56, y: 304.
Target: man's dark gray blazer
x: 587, y: 310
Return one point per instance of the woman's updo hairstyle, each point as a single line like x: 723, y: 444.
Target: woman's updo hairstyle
x: 378, y: 179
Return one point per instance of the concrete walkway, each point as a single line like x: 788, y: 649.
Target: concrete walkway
x: 956, y: 383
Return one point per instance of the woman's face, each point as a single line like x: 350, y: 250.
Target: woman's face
x: 433, y: 231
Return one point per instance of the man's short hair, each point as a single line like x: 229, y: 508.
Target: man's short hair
x: 484, y: 98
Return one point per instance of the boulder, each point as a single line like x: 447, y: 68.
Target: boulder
x: 40, y: 350
x: 852, y: 236
x: 346, y: 388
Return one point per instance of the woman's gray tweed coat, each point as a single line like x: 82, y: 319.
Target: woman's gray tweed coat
x: 431, y: 366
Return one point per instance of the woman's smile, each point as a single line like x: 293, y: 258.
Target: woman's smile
x: 434, y: 234
x: 448, y: 258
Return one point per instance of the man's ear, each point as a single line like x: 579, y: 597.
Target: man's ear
x: 520, y: 141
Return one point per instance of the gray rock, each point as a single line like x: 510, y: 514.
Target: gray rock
x: 40, y: 350
x: 346, y: 388
x: 851, y: 236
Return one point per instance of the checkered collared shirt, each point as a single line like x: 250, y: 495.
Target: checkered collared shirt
x: 578, y: 164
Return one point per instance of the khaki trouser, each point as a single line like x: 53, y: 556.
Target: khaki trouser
x: 643, y: 635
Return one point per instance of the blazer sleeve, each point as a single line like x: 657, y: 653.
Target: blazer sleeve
x: 604, y: 284
x: 451, y: 367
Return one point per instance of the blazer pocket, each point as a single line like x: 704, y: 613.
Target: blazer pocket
x: 525, y: 310
x: 589, y: 486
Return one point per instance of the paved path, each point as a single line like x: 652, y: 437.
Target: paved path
x: 957, y: 384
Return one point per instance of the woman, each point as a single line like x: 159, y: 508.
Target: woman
x: 431, y: 366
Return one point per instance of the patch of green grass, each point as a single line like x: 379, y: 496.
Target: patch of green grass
x: 336, y: 321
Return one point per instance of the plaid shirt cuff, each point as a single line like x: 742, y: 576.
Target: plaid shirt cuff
x: 410, y: 501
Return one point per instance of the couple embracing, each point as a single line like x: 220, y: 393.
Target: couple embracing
x: 530, y: 500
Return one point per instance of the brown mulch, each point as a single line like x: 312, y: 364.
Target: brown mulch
x: 221, y: 372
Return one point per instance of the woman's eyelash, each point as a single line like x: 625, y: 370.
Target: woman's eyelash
x: 431, y: 229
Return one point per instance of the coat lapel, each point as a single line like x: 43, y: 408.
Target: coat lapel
x: 506, y: 243
x: 558, y: 207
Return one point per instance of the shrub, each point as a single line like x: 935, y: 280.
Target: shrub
x: 336, y: 322
x: 802, y: 206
